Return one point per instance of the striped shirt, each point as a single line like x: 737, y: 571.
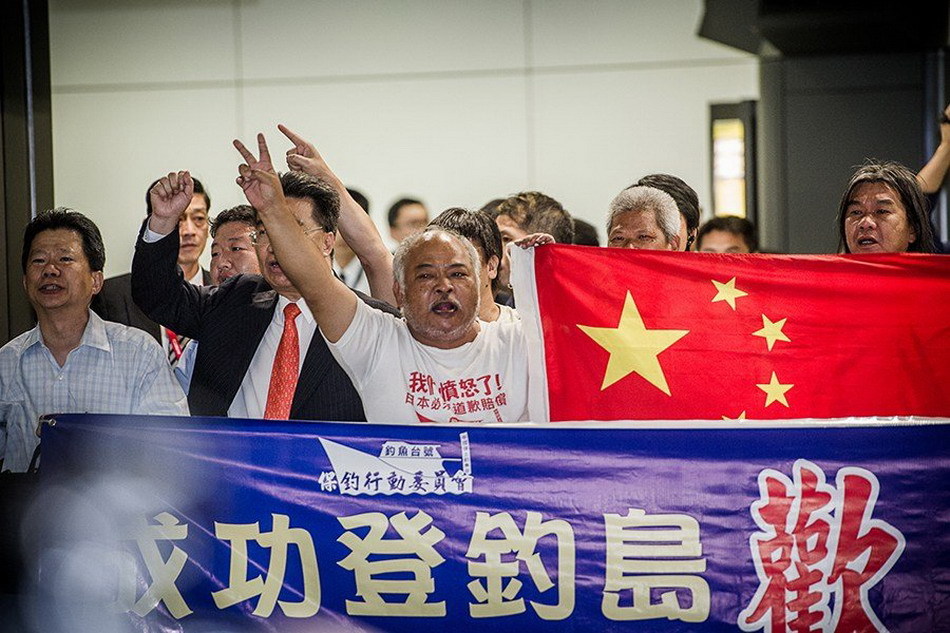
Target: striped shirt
x: 115, y: 369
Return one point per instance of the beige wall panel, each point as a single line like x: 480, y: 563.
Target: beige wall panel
x: 112, y: 42
x: 109, y: 147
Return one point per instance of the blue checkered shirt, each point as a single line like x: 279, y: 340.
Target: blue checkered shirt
x: 115, y: 369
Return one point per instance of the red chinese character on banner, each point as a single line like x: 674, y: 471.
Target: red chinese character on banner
x: 859, y: 537
x: 804, y: 555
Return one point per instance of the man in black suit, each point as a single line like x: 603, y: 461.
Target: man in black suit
x: 240, y: 325
x: 114, y: 302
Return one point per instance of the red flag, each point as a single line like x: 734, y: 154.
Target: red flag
x: 658, y: 335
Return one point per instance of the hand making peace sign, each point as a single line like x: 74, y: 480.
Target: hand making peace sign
x: 258, y: 179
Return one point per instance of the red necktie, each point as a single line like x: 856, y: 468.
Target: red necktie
x: 283, y: 376
x: 176, y: 344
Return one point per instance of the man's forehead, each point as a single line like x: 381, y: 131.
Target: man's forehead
x: 877, y: 189
x: 302, y: 208
x: 60, y: 239
x: 636, y: 216
x: 880, y: 196
x: 234, y: 229
x: 440, y: 250
x: 197, y: 204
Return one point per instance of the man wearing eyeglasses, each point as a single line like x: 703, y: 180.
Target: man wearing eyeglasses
x: 259, y: 354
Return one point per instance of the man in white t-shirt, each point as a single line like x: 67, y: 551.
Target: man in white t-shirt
x: 438, y: 363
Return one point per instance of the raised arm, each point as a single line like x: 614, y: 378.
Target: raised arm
x: 356, y: 227
x: 170, y: 197
x: 930, y: 178
x: 331, y: 302
x: 157, y: 285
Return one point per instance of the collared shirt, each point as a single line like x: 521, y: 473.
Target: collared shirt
x: 115, y: 369
x: 251, y: 398
x: 353, y: 275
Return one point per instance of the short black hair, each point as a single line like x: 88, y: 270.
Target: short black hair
x: 687, y: 202
x: 535, y: 212
x: 397, y: 207
x: 360, y: 199
x: 323, y: 198
x: 199, y: 190
x: 730, y: 224
x: 63, y: 218
x: 477, y: 227
x: 585, y: 233
x: 241, y: 213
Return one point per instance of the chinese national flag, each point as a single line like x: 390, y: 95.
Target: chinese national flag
x: 659, y: 335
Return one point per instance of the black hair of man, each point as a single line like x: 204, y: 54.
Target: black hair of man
x: 535, y: 212
x: 323, y: 198
x: 904, y: 182
x: 730, y: 224
x: 243, y: 213
x: 477, y: 227
x: 687, y: 202
x: 397, y: 206
x: 199, y: 190
x: 63, y: 218
x: 585, y: 233
x: 360, y: 199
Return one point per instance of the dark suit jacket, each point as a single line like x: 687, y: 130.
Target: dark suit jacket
x: 114, y: 303
x: 229, y: 322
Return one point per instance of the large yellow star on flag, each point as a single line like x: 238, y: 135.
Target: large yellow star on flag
x: 772, y: 332
x: 633, y: 348
x: 727, y: 292
x: 775, y: 391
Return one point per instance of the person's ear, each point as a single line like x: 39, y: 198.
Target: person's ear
x: 329, y: 241
x: 397, y: 292
x: 97, y: 280
x: 492, y: 266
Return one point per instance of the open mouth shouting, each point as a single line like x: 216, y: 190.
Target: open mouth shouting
x: 445, y: 308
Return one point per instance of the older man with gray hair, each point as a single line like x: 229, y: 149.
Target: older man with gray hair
x: 644, y: 217
x: 438, y: 363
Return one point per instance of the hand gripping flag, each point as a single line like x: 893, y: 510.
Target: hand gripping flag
x: 656, y: 335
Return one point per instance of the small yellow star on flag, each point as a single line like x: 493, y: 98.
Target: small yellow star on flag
x: 741, y: 417
x: 772, y: 332
x: 775, y: 391
x: 633, y: 348
x: 727, y: 292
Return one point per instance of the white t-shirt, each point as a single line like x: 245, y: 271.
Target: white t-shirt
x: 403, y: 381
x: 507, y: 314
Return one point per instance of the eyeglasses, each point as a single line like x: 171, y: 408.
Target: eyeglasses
x: 260, y: 235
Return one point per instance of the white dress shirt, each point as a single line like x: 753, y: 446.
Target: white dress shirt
x: 115, y: 369
x: 251, y: 398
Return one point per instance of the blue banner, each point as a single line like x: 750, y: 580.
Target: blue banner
x: 242, y: 525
